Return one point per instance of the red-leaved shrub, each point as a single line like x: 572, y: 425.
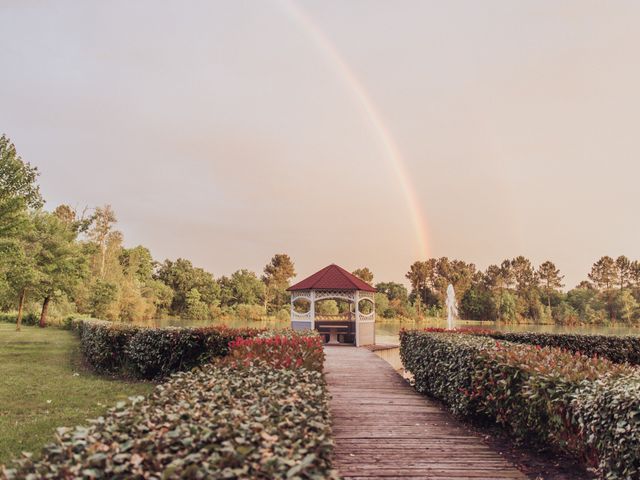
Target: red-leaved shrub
x: 278, y: 351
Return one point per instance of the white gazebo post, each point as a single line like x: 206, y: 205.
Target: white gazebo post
x: 312, y: 309
x: 356, y: 299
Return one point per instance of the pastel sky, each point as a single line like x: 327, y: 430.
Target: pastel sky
x: 225, y: 132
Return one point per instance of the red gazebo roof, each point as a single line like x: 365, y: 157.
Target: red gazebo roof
x: 332, y: 277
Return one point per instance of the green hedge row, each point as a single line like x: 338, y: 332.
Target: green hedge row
x: 152, y: 352
x: 585, y: 406
x: 618, y: 349
x: 216, y: 422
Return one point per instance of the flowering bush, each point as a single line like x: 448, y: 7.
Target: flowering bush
x: 586, y: 406
x: 287, y: 350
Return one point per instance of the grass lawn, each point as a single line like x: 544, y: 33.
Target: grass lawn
x: 43, y: 385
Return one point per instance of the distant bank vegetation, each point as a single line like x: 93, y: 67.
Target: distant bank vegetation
x: 63, y: 262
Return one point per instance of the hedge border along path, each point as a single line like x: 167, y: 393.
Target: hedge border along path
x: 618, y: 349
x: 147, y: 353
x: 214, y: 422
x: 587, y: 407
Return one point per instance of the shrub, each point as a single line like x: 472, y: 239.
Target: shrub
x: 618, y: 349
x: 158, y: 352
x: 152, y: 352
x: 215, y: 422
x: 29, y: 319
x: 528, y: 389
x: 443, y: 365
x: 607, y: 411
x: 585, y: 406
x: 250, y: 312
x: 103, y: 344
x: 279, y: 351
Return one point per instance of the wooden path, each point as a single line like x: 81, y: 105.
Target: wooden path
x: 384, y: 429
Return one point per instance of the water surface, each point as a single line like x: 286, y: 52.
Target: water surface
x: 387, y: 329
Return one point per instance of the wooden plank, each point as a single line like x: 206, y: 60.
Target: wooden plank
x: 384, y: 429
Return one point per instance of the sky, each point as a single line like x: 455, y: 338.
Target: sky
x: 362, y: 133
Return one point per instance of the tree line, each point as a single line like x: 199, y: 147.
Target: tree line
x: 516, y: 291
x: 70, y: 262
x: 76, y: 261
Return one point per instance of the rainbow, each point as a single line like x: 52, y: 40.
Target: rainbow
x: 370, y: 111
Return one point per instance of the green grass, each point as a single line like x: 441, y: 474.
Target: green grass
x: 44, y: 385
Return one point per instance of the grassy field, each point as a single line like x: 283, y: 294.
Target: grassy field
x: 43, y: 385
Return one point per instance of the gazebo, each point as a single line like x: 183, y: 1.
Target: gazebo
x: 357, y: 326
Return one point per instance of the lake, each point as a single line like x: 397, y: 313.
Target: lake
x: 387, y: 329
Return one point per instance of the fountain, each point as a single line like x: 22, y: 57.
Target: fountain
x: 452, y: 307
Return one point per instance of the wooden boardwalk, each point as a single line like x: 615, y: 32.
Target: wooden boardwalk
x: 384, y: 429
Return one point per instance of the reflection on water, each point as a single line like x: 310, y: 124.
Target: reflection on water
x: 387, y: 330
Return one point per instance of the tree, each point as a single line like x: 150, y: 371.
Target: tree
x: 418, y: 276
x: 393, y: 291
x: 19, y: 191
x: 583, y: 300
x: 137, y: 263
x: 603, y: 273
x: 477, y: 304
x: 327, y: 307
x: 101, y: 296
x: 181, y: 276
x: 625, y: 305
x: 19, y: 265
x: 243, y: 287
x: 623, y: 270
x: 364, y: 274
x: 196, y: 308
x: 159, y: 294
x: 550, y: 279
x: 277, y: 274
x: 634, y: 273
x: 524, y: 274
x: 507, y: 274
x: 383, y: 306
x: 392, y: 299
x: 19, y: 194
x: 59, y: 259
x: 103, y: 220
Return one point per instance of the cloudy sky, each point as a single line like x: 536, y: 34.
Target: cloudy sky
x: 364, y: 133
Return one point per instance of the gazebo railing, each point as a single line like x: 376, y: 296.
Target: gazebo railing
x: 306, y: 316
x: 342, y: 317
x: 368, y: 317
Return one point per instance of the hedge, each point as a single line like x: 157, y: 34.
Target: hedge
x: 618, y: 349
x: 443, y: 365
x: 214, y: 422
x: 608, y: 411
x: 578, y: 404
x: 291, y: 350
x: 152, y: 352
